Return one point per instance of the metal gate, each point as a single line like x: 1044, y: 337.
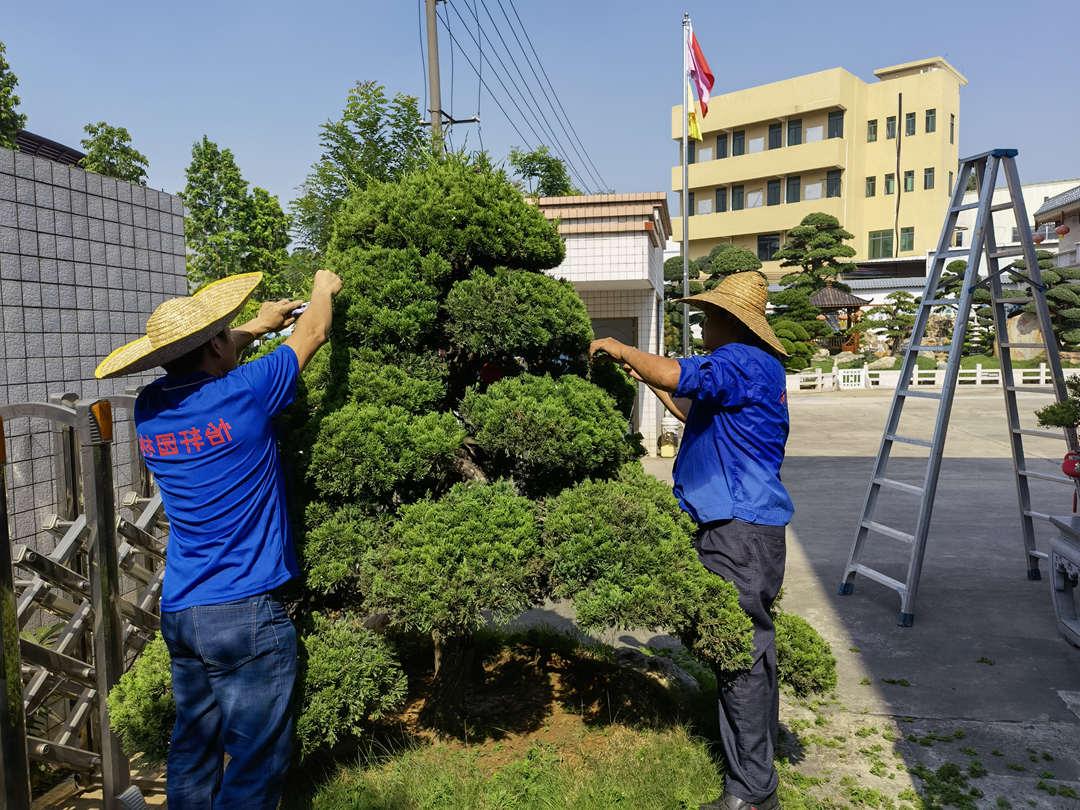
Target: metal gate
x: 97, y: 590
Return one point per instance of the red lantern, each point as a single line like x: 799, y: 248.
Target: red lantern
x: 1038, y: 237
x: 1061, y: 230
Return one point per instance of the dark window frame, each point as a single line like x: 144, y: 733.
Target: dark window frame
x: 889, y: 186
x: 771, y: 239
x: 907, y: 234
x: 909, y: 174
x: 835, y: 125
x: 721, y: 145
x: 794, y: 125
x: 871, y: 130
x: 770, y: 187
x: 890, y: 127
x: 871, y: 186
x: 776, y: 136
x: 738, y: 142
x: 882, y: 239
x: 952, y: 128
x: 797, y: 186
x: 691, y: 211
x: 721, y: 202
x: 738, y: 197
x: 833, y: 179
x: 910, y: 124
x: 930, y: 122
x: 928, y: 178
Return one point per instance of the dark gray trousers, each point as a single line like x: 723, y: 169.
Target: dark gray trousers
x: 751, y: 557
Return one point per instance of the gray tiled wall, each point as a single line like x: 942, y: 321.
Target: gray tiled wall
x: 84, y: 260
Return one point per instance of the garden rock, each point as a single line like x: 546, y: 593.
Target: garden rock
x: 1023, y: 328
x: 845, y: 357
x: 882, y: 363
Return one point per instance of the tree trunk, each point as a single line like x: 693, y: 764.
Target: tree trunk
x: 457, y: 669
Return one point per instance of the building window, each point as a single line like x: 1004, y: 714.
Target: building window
x: 736, y: 198
x: 794, y: 193
x: 721, y: 146
x: 756, y: 145
x: 704, y: 206
x: 738, y: 143
x: 909, y: 124
x: 928, y: 178
x: 907, y: 239
x: 881, y: 244
x: 909, y: 180
x: 832, y: 183
x: 812, y: 191
x: 890, y: 127
x: 958, y: 240
x: 952, y: 128
x: 767, y: 245
x: 871, y: 186
x: 836, y: 124
x: 690, y: 210
x: 931, y: 121
x: 794, y: 132
x: 755, y: 199
x: 704, y: 153
x: 691, y: 150
x: 871, y: 130
x: 772, y: 193
x: 776, y: 136
x: 890, y: 183
x: 721, y: 200
x: 950, y: 182
x: 815, y: 133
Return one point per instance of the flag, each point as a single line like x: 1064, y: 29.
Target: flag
x: 700, y: 73
x: 694, y: 126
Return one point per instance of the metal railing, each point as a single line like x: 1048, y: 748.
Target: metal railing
x: 79, y: 588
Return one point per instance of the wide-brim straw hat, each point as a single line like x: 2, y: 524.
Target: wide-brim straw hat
x: 744, y: 296
x: 180, y: 325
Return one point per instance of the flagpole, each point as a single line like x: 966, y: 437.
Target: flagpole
x: 685, y: 190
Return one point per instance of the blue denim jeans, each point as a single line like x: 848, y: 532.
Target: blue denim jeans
x: 233, y: 672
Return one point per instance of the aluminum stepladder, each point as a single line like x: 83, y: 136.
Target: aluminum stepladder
x: 985, y: 168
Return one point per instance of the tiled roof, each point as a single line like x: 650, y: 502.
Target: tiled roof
x: 1057, y: 202
x: 834, y: 298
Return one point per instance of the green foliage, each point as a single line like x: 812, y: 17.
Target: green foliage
x: 109, y: 152
x: 804, y: 659
x: 816, y: 245
x: 452, y: 563
x: 617, y: 383
x: 1063, y: 414
x: 547, y: 433
x: 11, y: 121
x: 541, y: 173
x: 979, y: 336
x: 622, y: 551
x: 895, y: 318
x: 415, y: 382
x: 1061, y: 297
x: 351, y: 676
x: 459, y: 208
x: 377, y: 139
x: 332, y: 548
x: 517, y: 314
x: 229, y: 229
x: 724, y: 260
x: 141, y: 708
x: 796, y: 323
x: 382, y: 455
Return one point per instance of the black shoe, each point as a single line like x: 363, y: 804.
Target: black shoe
x: 729, y: 802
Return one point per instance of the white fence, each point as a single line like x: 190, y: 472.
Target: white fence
x: 848, y: 379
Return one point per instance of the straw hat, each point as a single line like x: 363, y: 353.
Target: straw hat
x: 181, y: 324
x: 744, y: 296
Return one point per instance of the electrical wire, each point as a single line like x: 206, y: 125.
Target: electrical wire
x: 480, y: 82
x: 557, y: 99
x: 420, y: 37
x: 494, y: 98
x: 556, y: 144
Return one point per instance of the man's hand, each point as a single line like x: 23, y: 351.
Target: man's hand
x: 275, y: 315
x: 326, y: 281
x: 609, y: 346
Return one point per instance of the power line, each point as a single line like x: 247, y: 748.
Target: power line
x: 484, y: 84
x: 557, y: 99
x: 480, y: 82
x: 540, y: 84
x: 556, y: 144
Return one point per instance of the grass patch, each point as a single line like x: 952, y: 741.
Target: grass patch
x: 947, y: 786
x: 897, y: 681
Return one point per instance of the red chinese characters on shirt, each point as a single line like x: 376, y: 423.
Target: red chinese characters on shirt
x: 191, y: 441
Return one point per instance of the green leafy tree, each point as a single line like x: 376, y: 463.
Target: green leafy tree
x: 541, y: 173
x: 895, y: 318
x: 109, y: 152
x: 230, y: 229
x: 376, y: 139
x: 979, y: 335
x: 1062, y: 298
x: 11, y: 121
x: 816, y: 246
x: 797, y: 323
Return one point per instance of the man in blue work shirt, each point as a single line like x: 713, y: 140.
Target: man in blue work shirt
x: 205, y: 432
x: 727, y: 478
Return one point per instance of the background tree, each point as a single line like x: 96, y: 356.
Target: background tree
x: 895, y: 318
x: 797, y: 323
x: 1062, y: 298
x: 229, y: 229
x: 542, y: 174
x: 109, y: 152
x: 979, y: 336
x: 11, y: 121
x: 376, y: 139
x: 816, y: 246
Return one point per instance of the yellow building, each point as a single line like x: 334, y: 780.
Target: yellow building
x: 878, y: 156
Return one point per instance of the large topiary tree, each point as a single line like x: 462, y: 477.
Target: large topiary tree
x: 816, y: 246
x: 1062, y: 298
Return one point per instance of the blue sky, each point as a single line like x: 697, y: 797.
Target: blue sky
x: 260, y: 77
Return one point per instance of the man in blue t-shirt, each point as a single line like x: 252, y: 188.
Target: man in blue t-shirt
x: 727, y: 478
x: 205, y: 431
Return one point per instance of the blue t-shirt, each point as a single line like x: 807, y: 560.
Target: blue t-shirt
x: 210, y: 444
x: 733, y: 443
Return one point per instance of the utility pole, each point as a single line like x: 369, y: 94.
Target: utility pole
x: 434, y: 90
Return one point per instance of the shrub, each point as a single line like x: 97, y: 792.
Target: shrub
x: 351, y: 676
x: 547, y: 433
x: 141, y: 708
x: 804, y: 659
